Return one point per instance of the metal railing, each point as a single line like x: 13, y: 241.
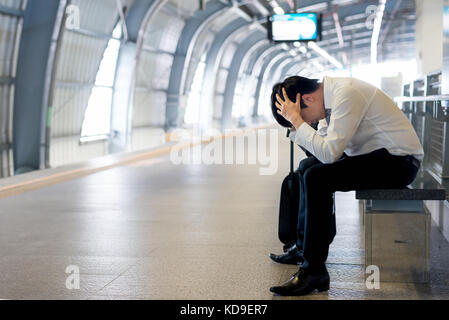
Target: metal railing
x: 428, y: 111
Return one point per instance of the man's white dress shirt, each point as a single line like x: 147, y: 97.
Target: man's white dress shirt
x: 363, y: 119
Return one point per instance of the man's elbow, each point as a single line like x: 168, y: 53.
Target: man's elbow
x: 332, y: 157
x: 329, y: 160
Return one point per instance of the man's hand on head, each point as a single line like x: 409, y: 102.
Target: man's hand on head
x: 290, y: 110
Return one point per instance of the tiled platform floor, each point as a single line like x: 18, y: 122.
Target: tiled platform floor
x: 153, y: 230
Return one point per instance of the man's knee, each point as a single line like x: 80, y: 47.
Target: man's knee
x: 306, y: 164
x: 315, y: 176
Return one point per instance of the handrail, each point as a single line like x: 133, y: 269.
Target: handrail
x: 439, y: 110
x: 423, y: 98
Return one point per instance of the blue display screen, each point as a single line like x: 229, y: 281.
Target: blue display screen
x: 295, y: 27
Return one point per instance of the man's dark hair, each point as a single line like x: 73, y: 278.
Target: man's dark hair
x: 293, y: 86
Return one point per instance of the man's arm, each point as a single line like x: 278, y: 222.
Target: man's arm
x: 292, y: 136
x: 347, y: 114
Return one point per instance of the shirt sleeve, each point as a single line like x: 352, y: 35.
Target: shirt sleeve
x: 347, y: 112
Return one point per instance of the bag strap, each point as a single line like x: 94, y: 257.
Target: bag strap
x: 292, y: 152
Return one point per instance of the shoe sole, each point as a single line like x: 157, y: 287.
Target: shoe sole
x: 324, y: 288
x: 290, y: 263
x: 304, y: 292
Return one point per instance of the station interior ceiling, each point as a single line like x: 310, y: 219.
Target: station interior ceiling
x: 93, y: 97
x: 82, y: 79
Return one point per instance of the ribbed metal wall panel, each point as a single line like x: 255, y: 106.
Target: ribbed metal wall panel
x: 222, y: 75
x: 69, y: 114
x: 10, y: 28
x: 151, y: 75
x: 149, y: 108
x: 203, y: 44
x: 163, y: 32
x: 98, y: 16
x: 160, y: 40
x: 244, y: 99
x: 78, y: 59
x: 436, y: 146
x: 5, y: 125
x: 222, y: 21
x: 5, y: 100
x: 183, y: 9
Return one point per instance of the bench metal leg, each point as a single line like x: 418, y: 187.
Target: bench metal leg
x: 398, y: 240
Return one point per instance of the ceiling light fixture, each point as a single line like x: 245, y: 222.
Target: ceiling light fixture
x: 312, y: 45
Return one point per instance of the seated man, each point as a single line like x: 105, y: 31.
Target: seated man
x: 370, y: 144
x: 292, y: 250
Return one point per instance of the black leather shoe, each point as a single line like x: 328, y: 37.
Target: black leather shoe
x: 303, y: 283
x: 288, y: 246
x: 292, y: 256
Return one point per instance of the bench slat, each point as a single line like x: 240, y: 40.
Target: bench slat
x: 401, y: 194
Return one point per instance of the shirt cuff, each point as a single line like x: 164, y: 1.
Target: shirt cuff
x: 304, y: 136
x: 292, y: 135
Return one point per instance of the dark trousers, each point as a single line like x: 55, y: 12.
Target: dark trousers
x: 376, y: 170
x: 305, y: 164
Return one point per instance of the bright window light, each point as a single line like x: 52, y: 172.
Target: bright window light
x: 96, y: 124
x: 279, y: 10
x: 338, y: 73
x: 98, y: 112
x: 312, y: 45
x: 373, y: 73
x: 192, y: 114
x: 106, y: 72
x: 241, y: 97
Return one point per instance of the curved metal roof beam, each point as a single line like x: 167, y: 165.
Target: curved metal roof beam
x: 125, y: 79
x: 276, y: 71
x: 272, y: 67
x: 151, y: 11
x: 247, y: 61
x: 263, y: 82
x: 182, y: 57
x: 272, y: 54
x: 289, y: 66
x: 31, y: 128
x: 233, y: 75
x: 221, y: 40
x: 265, y: 54
x: 138, y: 16
x: 252, y: 63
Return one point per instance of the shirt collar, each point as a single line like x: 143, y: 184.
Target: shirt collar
x: 327, y: 92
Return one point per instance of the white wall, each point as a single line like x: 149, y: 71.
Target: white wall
x: 68, y: 150
x: 429, y: 35
x: 440, y: 215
